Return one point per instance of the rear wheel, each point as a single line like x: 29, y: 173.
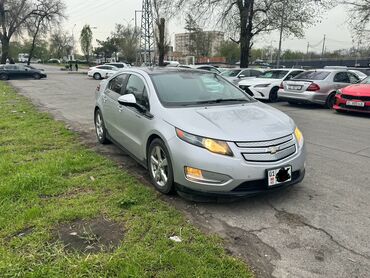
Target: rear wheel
x: 273, y: 97
x: 330, y: 101
x: 4, y: 76
x: 160, y: 167
x: 97, y: 76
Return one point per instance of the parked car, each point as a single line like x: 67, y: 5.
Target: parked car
x: 317, y: 86
x: 360, y: 74
x: 54, y: 61
x: 201, y: 67
x: 20, y: 71
x: 354, y: 97
x: 266, y: 86
x: 118, y: 65
x: 196, y: 139
x: 100, y: 72
x: 236, y: 75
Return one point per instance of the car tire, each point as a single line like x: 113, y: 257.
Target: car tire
x: 4, y: 76
x: 97, y: 76
x: 330, y: 101
x: 160, y: 167
x: 37, y: 76
x: 273, y: 97
x: 100, y: 130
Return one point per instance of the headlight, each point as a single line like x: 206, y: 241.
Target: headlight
x: 299, y: 136
x: 212, y: 145
x: 262, y: 85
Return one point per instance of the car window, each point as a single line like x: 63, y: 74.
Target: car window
x: 292, y: 75
x: 117, y: 83
x: 136, y: 86
x: 11, y: 67
x: 246, y: 73
x: 342, y: 77
x: 313, y: 75
x: 197, y: 89
x: 353, y: 78
x: 255, y: 73
x: 274, y: 74
x: 366, y: 80
x: 230, y: 73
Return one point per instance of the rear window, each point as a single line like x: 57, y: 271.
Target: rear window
x: 313, y: 75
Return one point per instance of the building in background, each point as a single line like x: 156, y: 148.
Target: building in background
x: 184, y: 42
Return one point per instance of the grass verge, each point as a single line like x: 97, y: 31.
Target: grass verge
x: 47, y: 179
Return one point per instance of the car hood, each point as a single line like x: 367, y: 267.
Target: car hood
x: 256, y: 81
x: 357, y: 90
x: 249, y: 122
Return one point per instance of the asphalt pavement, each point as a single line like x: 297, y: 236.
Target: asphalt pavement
x: 319, y: 228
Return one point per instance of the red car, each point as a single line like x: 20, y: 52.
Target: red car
x: 354, y: 98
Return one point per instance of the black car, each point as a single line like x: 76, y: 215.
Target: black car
x: 19, y: 71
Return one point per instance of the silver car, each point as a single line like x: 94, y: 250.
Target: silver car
x: 316, y: 86
x: 197, y: 133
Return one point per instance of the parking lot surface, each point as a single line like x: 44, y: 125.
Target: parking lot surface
x: 319, y: 228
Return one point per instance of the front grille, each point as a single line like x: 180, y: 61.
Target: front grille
x: 349, y: 97
x: 358, y: 108
x: 260, y: 185
x: 268, y: 151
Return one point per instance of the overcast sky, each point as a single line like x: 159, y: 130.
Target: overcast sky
x: 105, y: 14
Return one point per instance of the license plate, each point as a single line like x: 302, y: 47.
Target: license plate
x: 356, y: 103
x: 294, y: 87
x: 279, y: 175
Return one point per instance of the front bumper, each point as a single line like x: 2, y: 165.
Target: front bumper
x: 341, y: 105
x: 244, y: 178
x: 304, y: 97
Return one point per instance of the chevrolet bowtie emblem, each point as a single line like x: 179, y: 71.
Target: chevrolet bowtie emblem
x: 274, y: 150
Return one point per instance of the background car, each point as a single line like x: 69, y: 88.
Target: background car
x: 360, y: 74
x: 20, y: 71
x: 236, y: 75
x: 202, y: 67
x: 317, y: 86
x: 267, y: 85
x: 118, y: 65
x: 354, y: 98
x: 159, y: 117
x: 103, y: 71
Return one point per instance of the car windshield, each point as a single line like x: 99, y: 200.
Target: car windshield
x: 274, y: 74
x: 230, y: 73
x: 313, y: 75
x: 176, y: 89
x: 366, y: 80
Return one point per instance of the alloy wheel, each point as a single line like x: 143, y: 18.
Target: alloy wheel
x: 99, y: 126
x: 159, y: 166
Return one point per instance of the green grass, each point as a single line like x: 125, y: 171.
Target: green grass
x: 45, y: 180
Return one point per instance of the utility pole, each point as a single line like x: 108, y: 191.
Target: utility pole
x: 147, y: 33
x: 323, y: 47
x: 281, y: 34
x: 308, y: 48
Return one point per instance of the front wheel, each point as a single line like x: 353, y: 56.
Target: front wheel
x: 273, y: 97
x: 101, y: 131
x: 37, y: 76
x: 160, y: 167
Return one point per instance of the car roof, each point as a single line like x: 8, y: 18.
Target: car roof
x: 161, y: 70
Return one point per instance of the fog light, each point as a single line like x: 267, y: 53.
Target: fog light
x: 193, y: 173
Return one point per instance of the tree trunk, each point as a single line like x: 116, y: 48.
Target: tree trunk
x: 161, y: 43
x: 246, y: 24
x: 5, y: 42
x: 30, y: 54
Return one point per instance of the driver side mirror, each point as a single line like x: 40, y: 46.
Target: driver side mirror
x: 127, y: 100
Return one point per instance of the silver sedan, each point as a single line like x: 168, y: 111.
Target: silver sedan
x: 197, y: 133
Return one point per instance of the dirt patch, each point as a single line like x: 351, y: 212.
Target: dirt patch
x: 90, y: 236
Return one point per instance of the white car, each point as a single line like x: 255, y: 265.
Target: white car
x: 236, y: 75
x: 118, y: 65
x: 101, y: 72
x: 266, y: 86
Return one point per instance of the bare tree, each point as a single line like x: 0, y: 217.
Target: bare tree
x: 359, y: 12
x: 61, y: 43
x: 126, y: 39
x: 85, y: 41
x: 48, y: 13
x: 245, y: 19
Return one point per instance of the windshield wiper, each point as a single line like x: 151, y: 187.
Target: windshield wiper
x: 220, y: 100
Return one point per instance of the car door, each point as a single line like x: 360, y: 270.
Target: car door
x: 110, y: 104
x: 12, y: 71
x: 133, y: 124
x: 341, y: 79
